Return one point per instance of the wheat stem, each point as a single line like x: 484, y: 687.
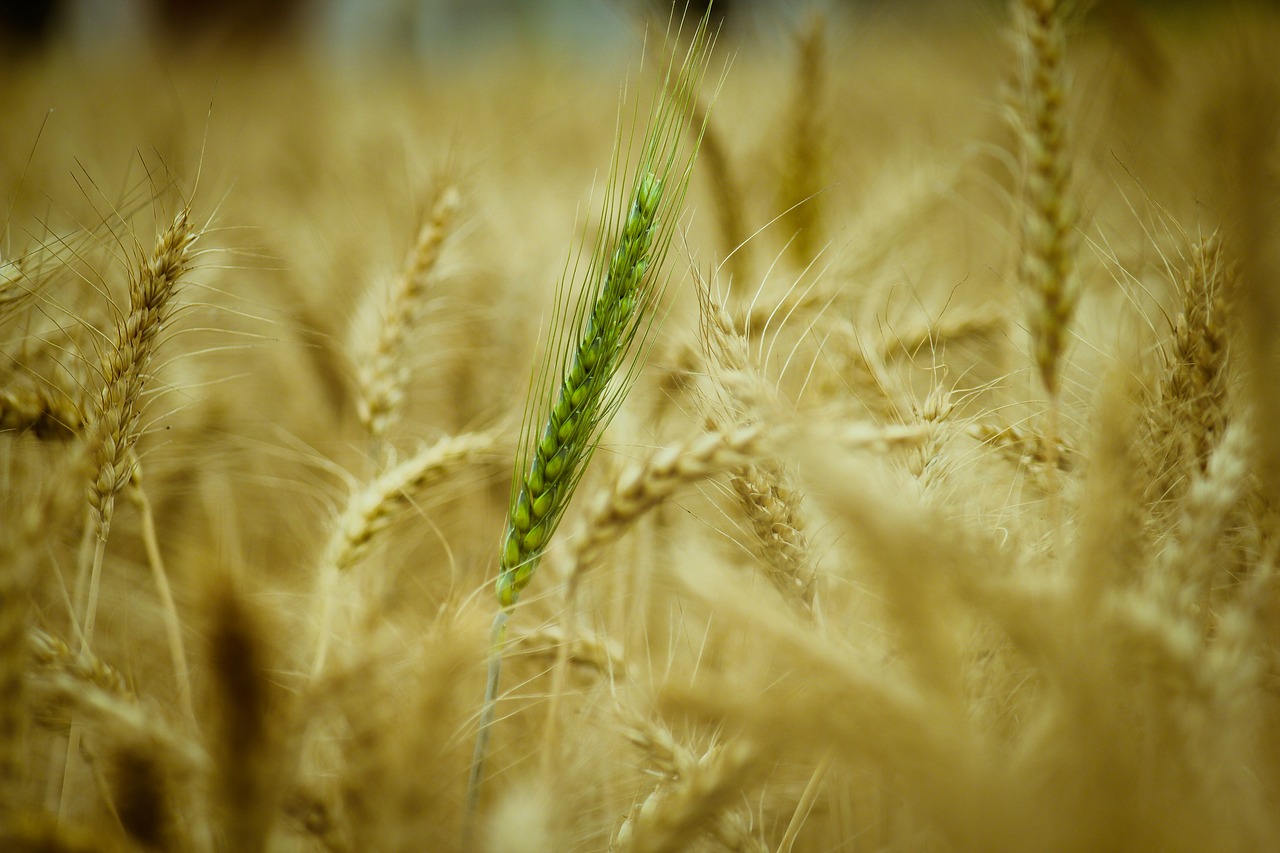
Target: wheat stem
x: 497, y: 638
x: 168, y: 608
x: 805, y: 806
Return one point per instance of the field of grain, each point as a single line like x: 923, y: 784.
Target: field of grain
x: 941, y: 515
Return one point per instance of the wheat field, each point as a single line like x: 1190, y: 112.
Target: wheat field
x: 941, y: 515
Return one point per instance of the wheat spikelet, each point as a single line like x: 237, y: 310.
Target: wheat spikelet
x: 51, y: 655
x: 1022, y: 445
x: 593, y: 651
x: 1197, y: 363
x: 372, y: 508
x: 64, y: 697
x: 861, y: 373
x: 1190, y: 562
x: 646, y: 484
x: 665, y: 754
x: 772, y: 506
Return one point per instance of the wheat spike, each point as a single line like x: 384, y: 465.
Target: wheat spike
x: 648, y: 483
x: 373, y: 507
x: 1190, y: 413
x: 1049, y: 215
x: 383, y: 373
x: 582, y: 402
x: 116, y: 421
x: 763, y: 487
x: 117, y: 411
x: 590, y: 360
x: 45, y: 412
x: 695, y: 803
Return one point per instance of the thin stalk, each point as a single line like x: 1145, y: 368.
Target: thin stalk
x: 86, y: 639
x: 168, y: 608
x: 805, y: 806
x: 497, y: 638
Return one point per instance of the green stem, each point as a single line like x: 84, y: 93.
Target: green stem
x: 497, y: 637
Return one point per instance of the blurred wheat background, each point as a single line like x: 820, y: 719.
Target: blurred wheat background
x: 942, y: 517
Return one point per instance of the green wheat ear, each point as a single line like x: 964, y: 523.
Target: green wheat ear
x: 585, y: 396
x: 601, y: 325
